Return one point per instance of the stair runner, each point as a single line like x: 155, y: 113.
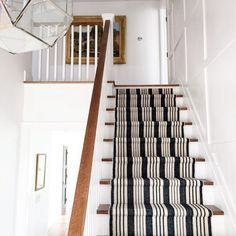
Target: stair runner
x: 154, y: 191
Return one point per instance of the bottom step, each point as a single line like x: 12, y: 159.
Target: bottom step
x: 218, y: 220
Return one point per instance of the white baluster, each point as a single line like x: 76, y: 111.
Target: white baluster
x: 80, y: 52
x: 39, y: 64
x: 25, y: 76
x: 40, y: 57
x: 72, y: 54
x: 96, y: 50
x: 55, y: 58
x: 48, y: 57
x: 64, y: 58
x: 88, y: 52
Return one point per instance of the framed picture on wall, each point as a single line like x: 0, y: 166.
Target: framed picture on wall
x: 40, y: 171
x: 119, y: 32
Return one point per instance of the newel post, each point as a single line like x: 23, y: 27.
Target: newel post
x: 109, y: 56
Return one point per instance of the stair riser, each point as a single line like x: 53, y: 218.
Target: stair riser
x: 200, y: 170
x: 188, y: 131
x: 217, y: 225
x: 194, y: 149
x: 184, y: 116
x: 179, y: 102
x: 105, y: 194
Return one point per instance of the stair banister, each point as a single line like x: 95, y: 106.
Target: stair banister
x: 80, y: 209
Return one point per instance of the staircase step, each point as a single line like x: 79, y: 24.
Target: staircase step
x: 103, y: 209
x: 180, y: 108
x: 201, y: 167
x: 180, y: 101
x: 110, y: 140
x: 188, y: 129
x: 217, y: 223
x: 114, y: 96
x: 194, y: 147
x: 141, y: 85
x: 205, y: 182
x: 110, y: 159
x: 113, y: 123
x: 208, y: 190
x: 184, y: 115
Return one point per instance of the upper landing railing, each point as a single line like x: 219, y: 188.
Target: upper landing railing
x: 73, y: 58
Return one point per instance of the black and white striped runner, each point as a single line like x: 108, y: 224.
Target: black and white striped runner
x: 157, y: 190
x: 149, y: 129
x: 151, y: 147
x: 160, y: 219
x: 153, y: 167
x: 154, y: 191
x: 149, y: 91
x: 157, y: 100
x: 147, y: 114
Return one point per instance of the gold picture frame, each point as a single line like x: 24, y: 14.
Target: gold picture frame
x: 40, y: 174
x: 119, y: 38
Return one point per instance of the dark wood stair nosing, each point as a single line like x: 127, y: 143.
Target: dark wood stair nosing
x: 110, y: 159
x: 114, y: 96
x: 109, y: 140
x: 109, y: 123
x: 205, y: 182
x: 103, y: 209
x: 180, y: 108
x: 113, y: 123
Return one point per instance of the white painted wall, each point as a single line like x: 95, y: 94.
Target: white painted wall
x: 73, y: 140
x: 11, y: 102
x: 143, y: 57
x: 202, y: 49
x: 32, y: 206
x: 39, y: 211
x: 49, y: 112
x: 56, y: 102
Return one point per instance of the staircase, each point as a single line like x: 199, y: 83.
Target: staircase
x: 153, y: 175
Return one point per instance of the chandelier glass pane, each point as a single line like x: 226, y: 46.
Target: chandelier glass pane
x: 34, y: 24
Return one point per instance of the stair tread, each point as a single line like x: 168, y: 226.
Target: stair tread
x: 113, y: 123
x: 103, y: 209
x: 141, y: 85
x: 177, y: 95
x: 205, y: 182
x: 180, y: 108
x: 192, y: 140
x: 110, y: 159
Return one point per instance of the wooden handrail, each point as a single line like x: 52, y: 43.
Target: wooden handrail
x: 78, y: 215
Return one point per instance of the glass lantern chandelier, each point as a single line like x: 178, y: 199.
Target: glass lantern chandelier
x: 28, y: 25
